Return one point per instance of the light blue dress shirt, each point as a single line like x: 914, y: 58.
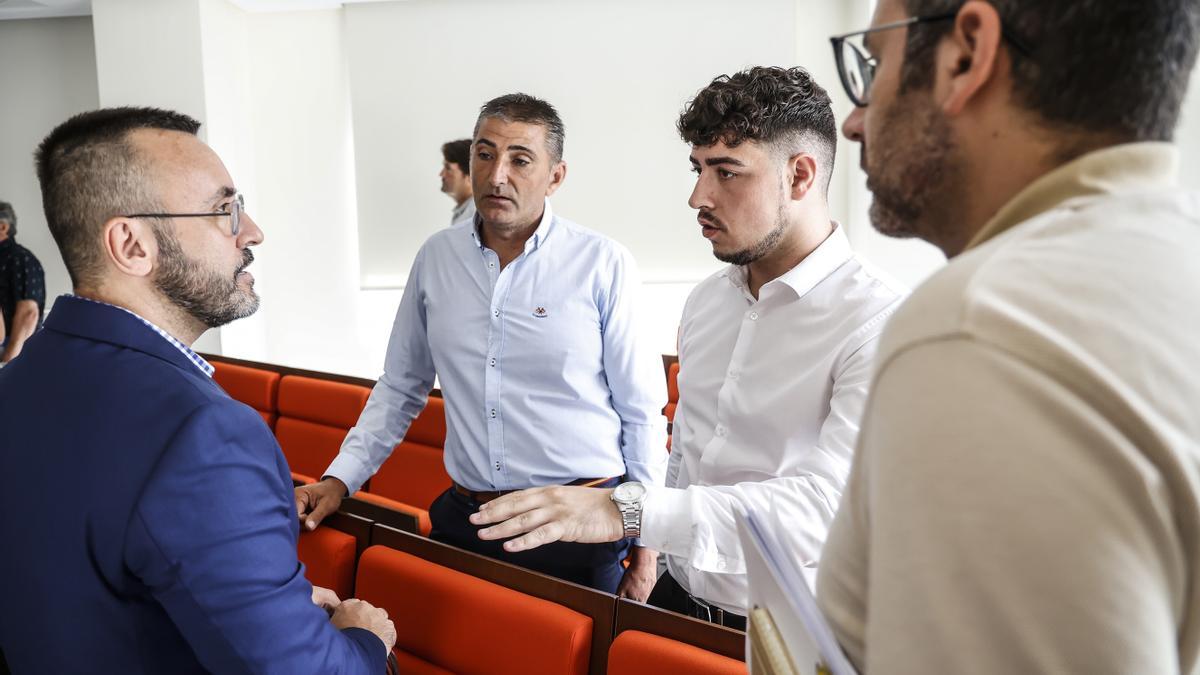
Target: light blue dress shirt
x: 545, y: 372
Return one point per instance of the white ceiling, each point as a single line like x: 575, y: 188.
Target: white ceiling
x: 43, y: 9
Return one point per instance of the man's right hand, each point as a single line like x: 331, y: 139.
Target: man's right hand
x: 315, y: 502
x: 354, y: 613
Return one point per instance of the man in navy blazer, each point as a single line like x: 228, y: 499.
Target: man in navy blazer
x: 149, y: 524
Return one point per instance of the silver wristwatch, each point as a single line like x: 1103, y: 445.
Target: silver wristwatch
x: 629, y: 497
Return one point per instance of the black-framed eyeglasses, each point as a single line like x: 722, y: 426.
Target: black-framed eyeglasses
x: 856, y: 67
x: 236, y: 207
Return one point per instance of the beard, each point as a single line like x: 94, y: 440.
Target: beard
x: 913, y: 171
x: 206, y: 294
x: 757, y: 250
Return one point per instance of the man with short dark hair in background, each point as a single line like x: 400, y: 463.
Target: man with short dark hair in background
x: 22, y: 288
x: 775, y: 354
x: 531, y: 324
x: 1026, y: 490
x: 456, y: 178
x: 119, y: 557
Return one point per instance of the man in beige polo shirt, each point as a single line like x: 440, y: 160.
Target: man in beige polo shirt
x: 1026, y: 491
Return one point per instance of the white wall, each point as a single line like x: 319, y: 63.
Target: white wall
x: 1187, y: 136
x: 47, y: 74
x: 619, y: 73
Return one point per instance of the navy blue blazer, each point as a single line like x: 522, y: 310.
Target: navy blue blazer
x: 147, y: 520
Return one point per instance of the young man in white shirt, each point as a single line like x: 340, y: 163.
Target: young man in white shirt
x: 775, y: 354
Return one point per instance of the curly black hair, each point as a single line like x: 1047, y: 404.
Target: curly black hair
x: 781, y: 107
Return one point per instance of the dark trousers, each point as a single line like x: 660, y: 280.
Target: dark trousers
x: 595, y: 565
x: 669, y: 595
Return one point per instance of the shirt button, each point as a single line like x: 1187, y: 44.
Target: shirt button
x: 733, y: 374
x: 497, y: 466
x: 495, y: 312
x: 492, y: 363
x: 754, y: 316
x: 491, y: 264
x: 721, y: 564
x: 493, y: 413
x: 719, y: 431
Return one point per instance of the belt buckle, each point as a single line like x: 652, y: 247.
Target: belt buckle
x: 707, y: 609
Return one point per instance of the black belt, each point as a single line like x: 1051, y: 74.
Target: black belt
x: 699, y: 609
x: 483, y: 497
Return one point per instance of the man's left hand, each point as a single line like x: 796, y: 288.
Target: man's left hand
x: 640, y: 576
x: 544, y: 515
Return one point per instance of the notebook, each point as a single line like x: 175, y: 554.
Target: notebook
x: 786, y: 632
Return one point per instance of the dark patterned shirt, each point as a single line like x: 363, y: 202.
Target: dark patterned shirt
x: 21, y: 278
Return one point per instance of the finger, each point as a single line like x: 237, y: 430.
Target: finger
x: 301, y: 502
x: 519, y: 524
x: 323, y: 508
x: 507, y: 506
x: 548, y: 533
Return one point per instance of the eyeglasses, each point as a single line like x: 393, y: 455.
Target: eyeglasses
x: 856, y: 67
x: 236, y: 207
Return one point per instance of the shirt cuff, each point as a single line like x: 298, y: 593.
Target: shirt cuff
x: 350, y: 470
x: 666, y: 522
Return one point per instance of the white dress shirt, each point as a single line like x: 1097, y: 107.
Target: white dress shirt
x: 546, y: 374
x: 1026, y: 493
x: 770, y: 396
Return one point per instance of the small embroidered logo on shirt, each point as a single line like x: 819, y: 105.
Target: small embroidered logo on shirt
x: 541, y: 313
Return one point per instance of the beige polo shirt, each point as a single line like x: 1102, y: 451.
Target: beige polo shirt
x: 1025, y: 496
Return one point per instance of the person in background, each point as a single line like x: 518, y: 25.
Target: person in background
x: 22, y: 288
x: 456, y: 179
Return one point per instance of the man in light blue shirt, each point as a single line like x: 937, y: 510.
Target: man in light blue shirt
x: 530, y: 322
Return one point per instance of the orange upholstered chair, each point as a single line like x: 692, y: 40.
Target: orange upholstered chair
x: 255, y: 387
x: 450, y: 621
x: 328, y: 557
x: 415, y: 474
x: 314, y: 416
x: 636, y: 653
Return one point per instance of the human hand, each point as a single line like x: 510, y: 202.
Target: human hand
x: 544, y: 515
x: 355, y: 613
x: 325, y: 599
x: 315, y: 502
x: 640, y: 576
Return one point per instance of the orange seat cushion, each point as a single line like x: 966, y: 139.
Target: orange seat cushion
x: 328, y: 557
x: 467, y: 625
x: 255, y: 387
x: 415, y: 474
x: 308, y: 447
x: 334, y: 404
x: 638, y: 653
x: 423, y: 524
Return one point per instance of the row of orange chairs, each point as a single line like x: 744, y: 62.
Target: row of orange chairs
x: 310, y: 417
x: 448, y: 621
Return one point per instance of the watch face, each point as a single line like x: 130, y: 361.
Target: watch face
x: 629, y: 492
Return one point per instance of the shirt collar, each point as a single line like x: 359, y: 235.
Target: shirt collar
x: 816, y: 266
x: 1113, y: 170
x: 197, y: 360
x: 543, y: 229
